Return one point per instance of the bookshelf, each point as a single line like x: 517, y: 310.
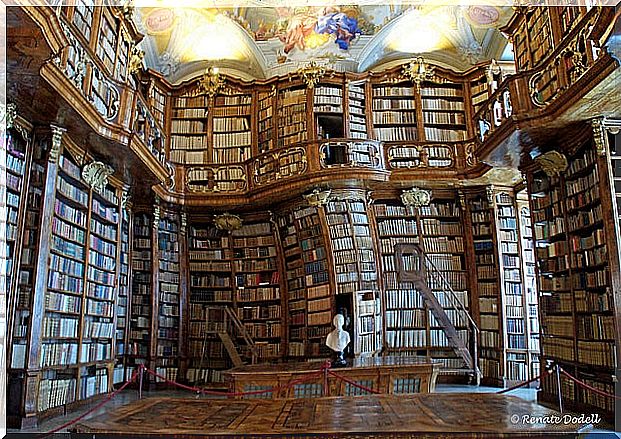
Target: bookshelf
x: 367, y: 325
x: 265, y: 133
x: 576, y: 302
x: 257, y: 283
x: 614, y: 142
x: 513, y: 294
x: 210, y: 287
x: 123, y: 297
x: 442, y: 236
x: 394, y: 112
x: 189, y: 138
x: 169, y: 299
x: 530, y: 285
x: 479, y: 93
x: 356, y: 110
x: 488, y: 285
x: 540, y: 33
x: 24, y: 268
x: 231, y: 128
x: 107, y: 40
x: 328, y: 110
x: 157, y: 99
x: 141, y: 311
x: 319, y: 297
x: 405, y: 315
x: 292, y: 115
x: 295, y: 286
x: 444, y: 116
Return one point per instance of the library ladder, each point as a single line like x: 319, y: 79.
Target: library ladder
x: 415, y: 266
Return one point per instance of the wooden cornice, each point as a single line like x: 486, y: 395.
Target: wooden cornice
x: 46, y: 19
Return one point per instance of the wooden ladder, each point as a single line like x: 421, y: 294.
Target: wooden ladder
x: 417, y: 273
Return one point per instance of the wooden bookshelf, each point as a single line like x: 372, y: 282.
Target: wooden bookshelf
x: 488, y: 286
x: 318, y: 291
x: 123, y: 304
x: 292, y: 115
x: 168, y: 341
x: 141, y: 310
x: 257, y: 283
x: 265, y: 117
x: 231, y: 128
x: 577, y: 306
x: 328, y: 110
x: 356, y: 110
x: 443, y: 110
x: 512, y: 287
x: 210, y: 287
x: 189, y: 140
x: 394, y: 112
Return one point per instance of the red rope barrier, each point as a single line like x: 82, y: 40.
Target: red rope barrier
x: 353, y: 383
x: 517, y: 386
x: 292, y: 383
x: 586, y: 386
x: 83, y: 415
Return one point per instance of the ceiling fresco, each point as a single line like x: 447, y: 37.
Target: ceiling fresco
x: 261, y: 42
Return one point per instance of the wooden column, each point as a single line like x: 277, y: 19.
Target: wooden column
x: 155, y: 287
x: 184, y: 299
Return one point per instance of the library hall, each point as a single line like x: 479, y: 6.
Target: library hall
x: 293, y: 218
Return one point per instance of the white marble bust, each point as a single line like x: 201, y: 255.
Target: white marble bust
x: 338, y: 339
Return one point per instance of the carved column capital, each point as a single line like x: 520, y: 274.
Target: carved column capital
x: 156, y: 213
x: 489, y: 191
x: 599, y: 135
x: 462, y: 200
x: 57, y: 136
x: 11, y: 115
x: 183, y: 223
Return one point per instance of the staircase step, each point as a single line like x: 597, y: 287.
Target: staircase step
x: 230, y: 348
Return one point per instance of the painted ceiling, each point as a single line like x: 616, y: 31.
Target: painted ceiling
x: 261, y: 42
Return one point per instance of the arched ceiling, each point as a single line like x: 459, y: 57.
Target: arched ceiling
x: 261, y: 42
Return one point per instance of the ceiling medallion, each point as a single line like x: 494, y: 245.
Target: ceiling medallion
x: 96, y: 175
x: 418, y: 71
x: 553, y: 163
x: 416, y: 197
x: 227, y: 221
x: 318, y: 197
x: 212, y: 82
x: 311, y: 73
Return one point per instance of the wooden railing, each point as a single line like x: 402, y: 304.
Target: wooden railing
x: 528, y: 94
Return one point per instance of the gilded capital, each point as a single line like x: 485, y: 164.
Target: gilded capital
x: 57, y: 136
x: 599, y: 135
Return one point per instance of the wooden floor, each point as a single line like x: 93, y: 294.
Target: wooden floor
x: 421, y: 415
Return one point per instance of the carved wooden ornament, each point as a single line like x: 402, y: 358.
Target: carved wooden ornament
x: 96, y: 175
x: 553, y: 163
x: 228, y: 221
x: 416, y: 197
x: 318, y: 197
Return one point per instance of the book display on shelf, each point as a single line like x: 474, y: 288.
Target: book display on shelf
x: 539, y: 33
x: 141, y: 312
x: 123, y: 299
x: 316, y: 274
x: 231, y: 126
x: 210, y: 289
x: 157, y: 99
x: 614, y: 142
x: 444, y: 116
x: 265, y: 100
x: 352, y: 246
x: 577, y: 303
x: 328, y: 110
x: 394, y: 112
x: 368, y: 326
x: 512, y: 287
x: 488, y: 286
x: 405, y: 318
x: 292, y: 116
x: 82, y: 17
x: 356, y: 110
x: 295, y: 286
x: 107, y: 41
x: 479, y: 93
x: 529, y: 285
x: 168, y: 309
x: 440, y: 221
x: 257, y: 287
x: 24, y: 272
x: 189, y: 135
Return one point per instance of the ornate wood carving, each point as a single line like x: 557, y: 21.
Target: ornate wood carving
x: 318, y: 197
x: 228, y: 221
x: 416, y: 197
x: 57, y: 136
x: 553, y: 163
x: 96, y: 175
x: 599, y: 136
